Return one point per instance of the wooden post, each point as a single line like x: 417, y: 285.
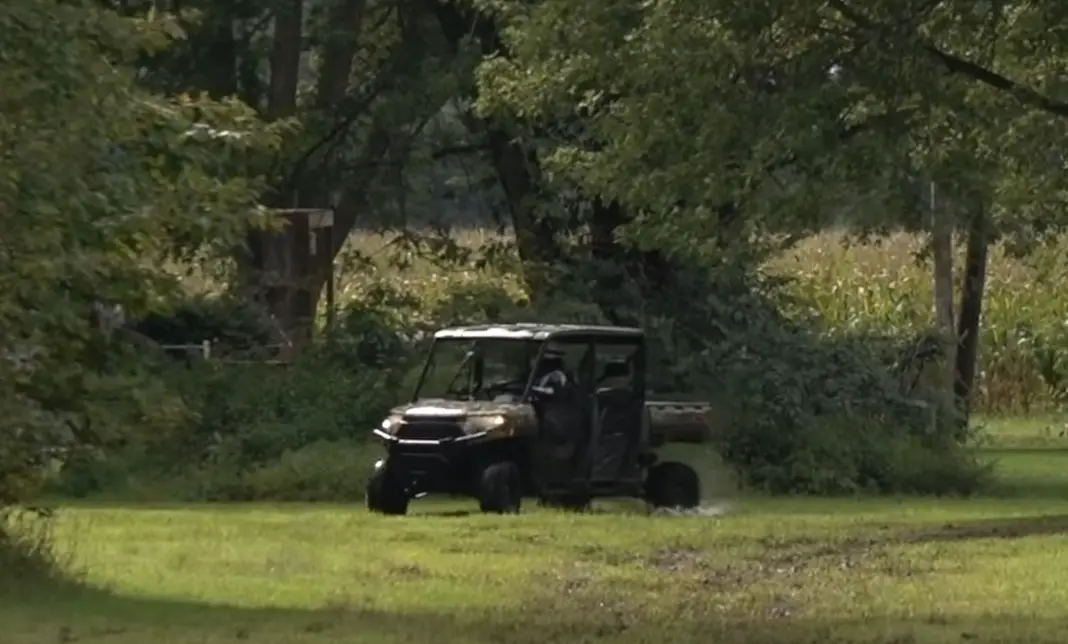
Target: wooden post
x: 331, y: 306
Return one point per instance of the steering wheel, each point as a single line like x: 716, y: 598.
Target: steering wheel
x: 507, y: 387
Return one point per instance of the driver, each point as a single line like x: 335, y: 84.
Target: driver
x: 550, y: 373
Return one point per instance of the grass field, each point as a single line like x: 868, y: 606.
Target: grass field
x: 766, y: 570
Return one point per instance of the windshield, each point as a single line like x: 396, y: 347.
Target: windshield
x: 483, y: 369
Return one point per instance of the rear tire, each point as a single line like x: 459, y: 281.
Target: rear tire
x: 386, y: 494
x: 673, y: 485
x: 500, y: 489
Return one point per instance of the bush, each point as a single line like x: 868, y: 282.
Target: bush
x: 320, y: 471
x: 820, y: 415
x: 847, y: 455
x: 802, y: 411
x: 247, y: 418
x: 230, y: 471
x: 250, y: 428
x: 230, y: 323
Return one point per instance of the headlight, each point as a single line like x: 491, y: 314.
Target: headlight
x: 390, y: 422
x: 485, y: 423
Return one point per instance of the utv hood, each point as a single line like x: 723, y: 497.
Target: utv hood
x: 449, y: 409
x: 473, y: 417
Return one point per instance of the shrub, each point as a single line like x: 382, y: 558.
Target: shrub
x: 320, y: 471
x: 246, y: 424
x: 243, y: 418
x: 802, y: 411
x: 879, y: 290
x: 821, y: 415
x: 230, y: 323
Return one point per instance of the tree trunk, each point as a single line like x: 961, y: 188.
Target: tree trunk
x: 339, y: 51
x: 535, y: 235
x: 649, y: 269
x: 942, y: 249
x: 276, y: 259
x: 516, y: 167
x: 285, y: 59
x: 971, y: 306
x: 314, y: 183
x: 217, y: 58
x: 291, y: 267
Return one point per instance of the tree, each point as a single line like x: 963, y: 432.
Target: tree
x: 100, y: 183
x: 363, y: 78
x: 766, y: 118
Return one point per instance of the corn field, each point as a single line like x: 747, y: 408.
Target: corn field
x: 883, y: 288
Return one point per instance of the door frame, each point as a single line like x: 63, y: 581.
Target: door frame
x: 581, y: 479
x: 577, y: 477
x: 637, y: 430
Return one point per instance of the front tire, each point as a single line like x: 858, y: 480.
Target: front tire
x: 500, y: 489
x: 385, y: 494
x: 673, y: 485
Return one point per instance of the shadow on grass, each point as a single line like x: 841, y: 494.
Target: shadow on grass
x: 28, y: 558
x: 103, y: 618
x: 567, y: 609
x: 67, y: 615
x: 1030, y: 472
x: 1019, y: 528
x: 970, y: 530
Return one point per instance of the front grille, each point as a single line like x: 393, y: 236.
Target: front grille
x: 429, y: 429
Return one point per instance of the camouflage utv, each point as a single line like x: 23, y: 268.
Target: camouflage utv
x: 556, y: 412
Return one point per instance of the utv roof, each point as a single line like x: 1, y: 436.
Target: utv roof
x: 537, y: 331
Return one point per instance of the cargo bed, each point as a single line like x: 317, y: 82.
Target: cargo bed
x: 679, y: 421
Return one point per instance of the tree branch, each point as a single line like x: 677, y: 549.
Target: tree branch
x: 956, y: 65
x: 1022, y: 93
x: 459, y: 150
x: 350, y: 111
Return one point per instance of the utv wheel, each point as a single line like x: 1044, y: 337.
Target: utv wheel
x: 673, y: 485
x: 500, y: 489
x: 385, y: 494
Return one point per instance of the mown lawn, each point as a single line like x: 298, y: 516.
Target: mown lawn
x: 812, y: 570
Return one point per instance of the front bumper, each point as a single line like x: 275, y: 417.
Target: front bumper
x: 444, y: 465
x: 390, y: 439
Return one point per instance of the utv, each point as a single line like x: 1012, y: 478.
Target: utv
x: 556, y: 412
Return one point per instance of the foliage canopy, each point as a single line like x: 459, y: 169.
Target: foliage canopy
x: 100, y: 182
